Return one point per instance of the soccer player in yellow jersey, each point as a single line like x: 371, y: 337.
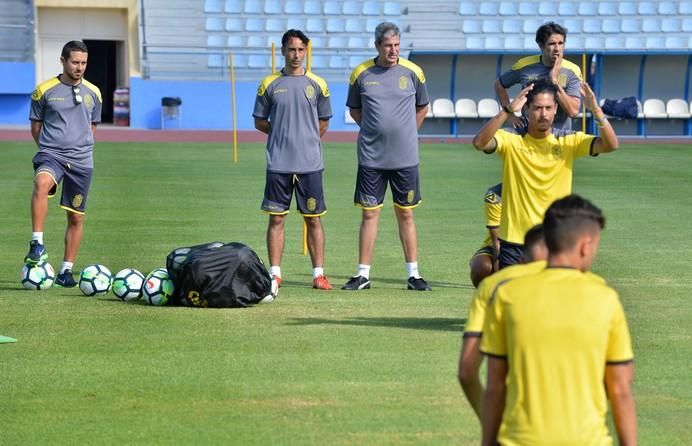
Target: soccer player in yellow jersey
x: 537, y: 166
x: 535, y: 255
x: 558, y: 345
x: 484, y: 261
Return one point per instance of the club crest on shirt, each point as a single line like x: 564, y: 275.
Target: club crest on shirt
x: 77, y: 200
x: 562, y: 80
x: 403, y: 83
x: 309, y: 92
x: 89, y: 101
x: 556, y: 151
x: 312, y: 204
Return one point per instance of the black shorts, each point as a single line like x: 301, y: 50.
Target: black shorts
x: 510, y: 254
x: 75, y: 181
x: 371, y: 185
x: 487, y: 250
x: 279, y: 188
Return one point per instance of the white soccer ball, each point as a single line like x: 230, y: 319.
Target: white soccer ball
x: 37, y: 277
x: 158, y: 287
x: 95, y: 280
x: 127, y: 284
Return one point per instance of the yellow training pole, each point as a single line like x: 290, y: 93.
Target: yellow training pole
x: 235, y: 129
x: 273, y: 57
x: 308, y: 65
x: 583, y: 108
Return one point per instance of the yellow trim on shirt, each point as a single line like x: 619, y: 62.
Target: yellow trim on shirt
x: 266, y: 82
x: 359, y: 70
x: 321, y: 82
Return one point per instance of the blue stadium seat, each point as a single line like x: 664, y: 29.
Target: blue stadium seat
x: 215, y: 61
x: 371, y: 8
x: 547, y: 8
x: 671, y: 25
x: 335, y: 25
x: 235, y: 41
x: 651, y: 25
x: 234, y: 24
x: 488, y: 8
x: 215, y: 40
x: 667, y: 8
x: 687, y: 25
x: 318, y: 61
x: 233, y: 7
x: 474, y: 43
x: 213, y: 24
x: 353, y: 26
x: 530, y: 43
x: 371, y: 24
x: 531, y: 25
x: 314, y: 25
x: 513, y: 42
x: 257, y: 41
x: 491, y: 26
x: 254, y: 24
x: 272, y: 7
x: 337, y: 42
x: 252, y: 7
x: 293, y: 7
x: 576, y: 42
x: 634, y: 43
x: 508, y: 8
x: 276, y: 40
x: 311, y: 7
x: 332, y: 8
x: 627, y: 8
x: 654, y: 43
x: 274, y: 25
x: 647, y: 8
x: 611, y: 26
x: 685, y: 8
x: 351, y: 7
x: 587, y: 8
x: 259, y: 61
x: 471, y: 26
x: 295, y: 23
x: 468, y: 8
x: 592, y: 26
x: 607, y: 8
x: 391, y: 8
x: 511, y: 26
x: 593, y: 43
x: 239, y: 61
x: 354, y: 61
x: 630, y: 25
x: 357, y: 43
x: 493, y: 43
x: 528, y: 8
x: 338, y: 62
x: 676, y: 43
x: 573, y: 26
x: 568, y: 8
x: 213, y: 5
x: 317, y: 42
x: 614, y: 42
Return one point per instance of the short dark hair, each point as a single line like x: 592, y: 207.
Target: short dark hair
x: 386, y: 29
x: 541, y: 86
x: 567, y: 219
x: 294, y: 33
x: 533, y: 237
x: 548, y: 29
x: 73, y: 45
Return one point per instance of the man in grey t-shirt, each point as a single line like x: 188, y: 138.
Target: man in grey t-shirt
x: 388, y: 99
x: 293, y: 108
x: 550, y: 65
x: 64, y: 114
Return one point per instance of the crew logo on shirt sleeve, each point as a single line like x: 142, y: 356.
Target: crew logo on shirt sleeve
x: 403, y: 83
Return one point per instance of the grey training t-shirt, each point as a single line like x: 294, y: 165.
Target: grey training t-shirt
x: 387, y: 98
x: 66, y: 132
x: 293, y: 105
x: 529, y: 69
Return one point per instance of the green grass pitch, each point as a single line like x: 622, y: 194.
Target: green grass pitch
x: 313, y: 368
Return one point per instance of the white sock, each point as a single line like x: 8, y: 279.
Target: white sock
x: 363, y: 270
x: 37, y: 236
x: 275, y: 271
x: 65, y: 266
x: 317, y: 272
x: 412, y: 270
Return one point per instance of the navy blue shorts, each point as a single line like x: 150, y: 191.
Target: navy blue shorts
x: 279, y: 189
x: 75, y: 181
x: 371, y: 185
x: 510, y: 254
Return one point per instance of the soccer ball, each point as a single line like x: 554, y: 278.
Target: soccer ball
x: 158, y: 287
x: 37, y: 277
x: 127, y: 284
x: 95, y: 280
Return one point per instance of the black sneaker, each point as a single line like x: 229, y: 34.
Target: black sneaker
x: 37, y: 253
x: 356, y: 283
x: 417, y: 284
x: 65, y: 279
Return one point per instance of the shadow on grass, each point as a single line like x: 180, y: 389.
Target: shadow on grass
x: 337, y: 281
x: 414, y: 323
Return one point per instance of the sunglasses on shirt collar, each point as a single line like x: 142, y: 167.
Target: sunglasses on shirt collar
x: 75, y: 95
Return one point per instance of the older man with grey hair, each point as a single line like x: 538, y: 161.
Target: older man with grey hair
x: 388, y: 99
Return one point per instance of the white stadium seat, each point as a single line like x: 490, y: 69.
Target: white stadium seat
x: 465, y: 108
x: 443, y: 108
x: 634, y: 43
x: 647, y: 8
x: 627, y: 8
x: 547, y: 8
x: 488, y: 8
x: 311, y: 7
x: 667, y: 8
x: 630, y: 25
x: 212, y: 6
x: 654, y: 109
x: 677, y: 109
x: 252, y: 8
x: 671, y: 25
x: 233, y: 6
x: 391, y: 8
x: 568, y: 8
x: 508, y: 8
x: 686, y: 8
x: 587, y: 8
x: 607, y: 8
x: 651, y: 26
x: 468, y: 8
x: 272, y: 7
x: 487, y: 108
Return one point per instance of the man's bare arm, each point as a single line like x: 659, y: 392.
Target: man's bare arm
x: 618, y: 382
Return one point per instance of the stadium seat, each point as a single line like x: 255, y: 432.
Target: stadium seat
x: 634, y: 43
x: 493, y: 43
x: 354, y: 61
x: 391, y: 8
x: 651, y: 25
x: 331, y: 8
x: 239, y: 61
x: 443, y: 108
x: 336, y: 42
x: 654, y: 109
x: 488, y: 108
x: 627, y: 8
x: 314, y: 25
x: 215, y: 61
x: 528, y: 8
x: 685, y: 8
x: 576, y: 41
x: 338, y: 62
x: 257, y: 41
x: 676, y: 43
x: 213, y: 24
x: 647, y: 8
x: 607, y: 8
x: 335, y: 25
x: 508, y: 9
x: 357, y: 43
x: 235, y: 41
x: 252, y: 8
x: 586, y: 8
x: 471, y: 26
x: 573, y: 26
x: 213, y: 6
x: 274, y: 25
x: 488, y: 8
x: 234, y: 24
x: 568, y: 8
x: 254, y: 24
x: 592, y: 26
x: 272, y: 7
x: 215, y: 40
x: 611, y: 26
x: 371, y: 8
x: 513, y: 42
x: 677, y: 109
x: 347, y: 117
x: 311, y: 7
x: 233, y: 7
x: 654, y: 43
x: 293, y: 7
x: 531, y: 25
x: 547, y: 8
x: 468, y: 8
x: 614, y: 42
x: 259, y: 61
x: 593, y: 43
x: 351, y: 7
x: 511, y: 26
x: 474, y: 43
x: 371, y: 24
x: 671, y: 25
x: 465, y: 108
x: 276, y: 40
x: 630, y: 25
x: 529, y: 43
x: 319, y: 61
x: 687, y: 25
x: 317, y: 42
x: 667, y: 8
x: 295, y: 23
x: 353, y: 26
x: 491, y: 26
